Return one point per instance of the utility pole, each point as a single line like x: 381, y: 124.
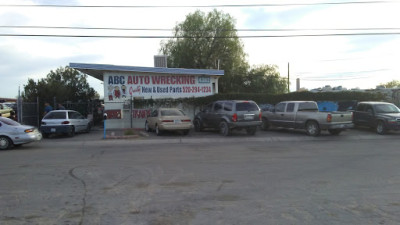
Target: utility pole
x: 288, y: 78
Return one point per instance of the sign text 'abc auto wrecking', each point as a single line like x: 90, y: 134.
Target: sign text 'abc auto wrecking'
x: 157, y: 86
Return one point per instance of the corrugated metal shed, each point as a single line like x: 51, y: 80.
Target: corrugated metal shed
x: 97, y: 70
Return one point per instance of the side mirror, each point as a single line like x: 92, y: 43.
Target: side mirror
x: 105, y: 116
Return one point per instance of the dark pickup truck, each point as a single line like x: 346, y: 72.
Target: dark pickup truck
x: 381, y: 116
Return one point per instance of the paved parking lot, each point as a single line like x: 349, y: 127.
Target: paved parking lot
x: 273, y: 134
x: 274, y: 177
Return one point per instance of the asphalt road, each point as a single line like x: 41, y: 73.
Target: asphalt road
x: 275, y: 177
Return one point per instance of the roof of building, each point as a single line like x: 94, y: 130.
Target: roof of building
x: 97, y: 70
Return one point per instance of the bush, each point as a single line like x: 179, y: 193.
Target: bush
x: 262, y: 98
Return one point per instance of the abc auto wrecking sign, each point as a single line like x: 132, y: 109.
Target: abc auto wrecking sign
x: 120, y: 86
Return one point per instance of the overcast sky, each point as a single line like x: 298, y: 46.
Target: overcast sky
x: 351, y: 61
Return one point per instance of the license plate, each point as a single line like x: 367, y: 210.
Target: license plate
x: 248, y: 116
x: 53, y: 130
x: 177, y: 121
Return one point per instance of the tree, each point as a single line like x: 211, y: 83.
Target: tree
x: 392, y: 84
x: 206, y: 41
x: 265, y: 79
x: 65, y: 84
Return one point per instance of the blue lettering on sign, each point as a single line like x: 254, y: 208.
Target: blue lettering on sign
x: 116, y: 80
x: 204, y: 80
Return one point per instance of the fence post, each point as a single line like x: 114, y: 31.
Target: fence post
x: 131, y: 111
x: 38, y: 111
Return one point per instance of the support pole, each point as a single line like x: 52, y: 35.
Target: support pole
x: 288, y: 78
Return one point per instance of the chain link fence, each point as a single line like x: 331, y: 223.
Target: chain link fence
x: 31, y: 113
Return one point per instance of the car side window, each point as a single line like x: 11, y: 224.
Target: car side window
x: 228, y: 106
x: 290, y: 107
x: 208, y: 108
x: 217, y: 107
x: 368, y: 109
x: 361, y: 107
x: 280, y: 107
x: 73, y: 115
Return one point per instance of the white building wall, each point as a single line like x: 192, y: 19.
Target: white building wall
x: 121, y: 87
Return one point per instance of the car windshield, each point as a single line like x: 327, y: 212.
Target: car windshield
x: 386, y: 108
x: 5, y: 106
x: 246, y: 106
x: 55, y: 115
x: 9, y: 121
x: 171, y: 112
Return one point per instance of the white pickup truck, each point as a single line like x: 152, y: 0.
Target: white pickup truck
x: 305, y: 115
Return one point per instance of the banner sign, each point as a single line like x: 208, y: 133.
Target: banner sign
x: 118, y: 87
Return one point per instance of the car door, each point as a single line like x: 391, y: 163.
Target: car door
x: 363, y: 114
x: 77, y: 120
x: 216, y: 114
x: 206, y: 115
x: 288, y: 116
x: 277, y: 116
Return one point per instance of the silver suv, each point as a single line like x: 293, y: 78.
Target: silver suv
x: 227, y: 115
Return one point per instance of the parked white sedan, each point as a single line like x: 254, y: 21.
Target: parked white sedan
x: 64, y: 122
x: 14, y: 134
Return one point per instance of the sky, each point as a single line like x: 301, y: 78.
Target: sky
x: 303, y: 38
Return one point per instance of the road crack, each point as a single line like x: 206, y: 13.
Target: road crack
x: 71, y: 173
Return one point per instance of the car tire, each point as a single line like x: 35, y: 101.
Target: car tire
x: 197, y: 125
x: 335, y: 131
x: 45, y: 135
x: 381, y: 128
x: 146, y: 127
x: 251, y: 130
x: 312, y: 128
x: 186, y: 132
x: 158, y: 131
x: 224, y: 128
x: 5, y: 143
x: 265, y: 124
x: 71, y: 132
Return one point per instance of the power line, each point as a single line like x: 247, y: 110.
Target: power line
x: 206, y: 37
x: 163, y: 29
x: 201, y: 6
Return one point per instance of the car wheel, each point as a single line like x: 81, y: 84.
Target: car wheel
x: 146, y: 127
x: 158, y: 131
x: 224, y: 128
x: 251, y: 130
x: 45, y: 135
x: 334, y: 131
x: 186, y: 132
x: 71, y: 133
x: 381, y: 128
x: 265, y: 124
x: 312, y: 128
x: 197, y: 125
x: 5, y: 143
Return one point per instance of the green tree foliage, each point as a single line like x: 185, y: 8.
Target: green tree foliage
x: 198, y: 44
x: 392, y: 84
x: 65, y: 84
x: 265, y: 79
